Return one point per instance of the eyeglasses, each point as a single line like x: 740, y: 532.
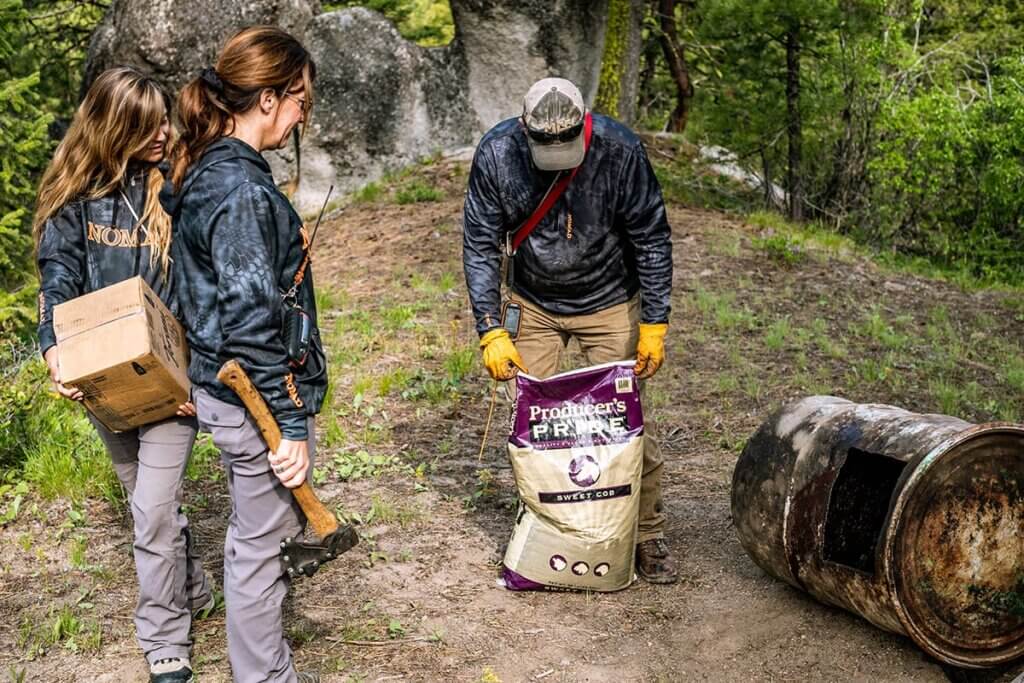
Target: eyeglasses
x: 301, y: 101
x: 546, y: 138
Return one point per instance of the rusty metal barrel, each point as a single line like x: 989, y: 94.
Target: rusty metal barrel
x: 914, y: 522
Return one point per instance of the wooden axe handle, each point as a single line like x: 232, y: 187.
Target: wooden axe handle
x: 232, y: 375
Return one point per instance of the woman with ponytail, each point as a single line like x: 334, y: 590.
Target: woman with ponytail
x: 98, y: 221
x: 239, y: 256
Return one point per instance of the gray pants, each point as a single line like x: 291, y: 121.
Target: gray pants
x: 263, y: 512
x: 150, y: 463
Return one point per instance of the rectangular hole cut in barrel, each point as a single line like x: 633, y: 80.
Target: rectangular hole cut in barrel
x: 857, y: 507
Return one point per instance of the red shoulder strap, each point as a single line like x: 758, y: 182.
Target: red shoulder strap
x: 524, y: 231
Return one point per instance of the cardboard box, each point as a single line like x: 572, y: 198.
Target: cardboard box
x: 124, y: 350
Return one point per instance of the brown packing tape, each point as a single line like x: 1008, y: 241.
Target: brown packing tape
x: 96, y: 308
x: 92, y: 352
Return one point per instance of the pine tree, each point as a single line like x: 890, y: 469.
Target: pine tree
x: 24, y: 147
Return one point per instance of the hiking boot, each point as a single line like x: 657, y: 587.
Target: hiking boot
x: 171, y: 670
x: 654, y: 564
x: 307, y: 677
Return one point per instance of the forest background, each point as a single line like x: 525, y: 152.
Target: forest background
x: 894, y: 125
x: 897, y: 123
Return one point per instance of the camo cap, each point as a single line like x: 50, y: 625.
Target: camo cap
x: 553, y: 112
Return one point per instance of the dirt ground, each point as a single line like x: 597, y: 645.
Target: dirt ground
x: 418, y: 600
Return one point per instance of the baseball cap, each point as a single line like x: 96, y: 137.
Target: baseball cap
x: 553, y: 113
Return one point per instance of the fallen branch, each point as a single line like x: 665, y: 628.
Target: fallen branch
x: 381, y: 643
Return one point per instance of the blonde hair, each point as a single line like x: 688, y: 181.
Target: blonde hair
x: 252, y: 60
x: 117, y: 120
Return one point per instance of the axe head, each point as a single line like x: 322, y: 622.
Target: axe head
x: 303, y: 559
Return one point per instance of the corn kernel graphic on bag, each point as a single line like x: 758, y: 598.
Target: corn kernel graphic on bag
x: 576, y: 446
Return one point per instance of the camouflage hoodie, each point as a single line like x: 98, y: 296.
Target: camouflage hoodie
x: 92, y: 243
x: 238, y: 243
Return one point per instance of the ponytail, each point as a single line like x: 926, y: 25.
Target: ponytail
x: 202, y: 119
x: 252, y: 60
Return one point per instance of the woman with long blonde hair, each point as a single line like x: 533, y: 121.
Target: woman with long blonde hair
x: 241, y: 261
x: 98, y: 221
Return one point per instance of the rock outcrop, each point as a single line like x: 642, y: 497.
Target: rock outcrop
x: 381, y: 101
x: 174, y: 39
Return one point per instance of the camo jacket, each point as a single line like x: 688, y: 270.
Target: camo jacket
x: 605, y: 239
x: 93, y: 243
x: 238, y: 244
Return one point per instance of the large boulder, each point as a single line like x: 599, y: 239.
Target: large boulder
x: 509, y: 44
x: 174, y: 39
x: 381, y: 101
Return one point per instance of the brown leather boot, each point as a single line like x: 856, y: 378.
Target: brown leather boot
x: 654, y: 564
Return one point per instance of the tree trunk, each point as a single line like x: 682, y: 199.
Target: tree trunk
x: 620, y: 60
x: 793, y: 124
x: 676, y: 60
x: 647, y: 94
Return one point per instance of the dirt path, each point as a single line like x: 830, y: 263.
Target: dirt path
x: 418, y: 601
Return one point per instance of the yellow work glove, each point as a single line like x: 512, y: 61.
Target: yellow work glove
x: 500, y: 356
x: 650, y: 350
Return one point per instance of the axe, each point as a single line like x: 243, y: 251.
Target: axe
x: 299, y: 558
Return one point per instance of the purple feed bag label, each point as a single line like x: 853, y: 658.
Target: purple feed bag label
x: 576, y: 446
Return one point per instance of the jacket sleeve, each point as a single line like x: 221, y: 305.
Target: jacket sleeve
x: 242, y: 247
x: 61, y: 259
x: 483, y: 230
x: 642, y: 212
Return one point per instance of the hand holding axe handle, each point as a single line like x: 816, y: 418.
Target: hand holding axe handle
x: 299, y: 558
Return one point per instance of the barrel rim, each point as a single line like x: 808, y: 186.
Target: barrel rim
x: 916, y: 474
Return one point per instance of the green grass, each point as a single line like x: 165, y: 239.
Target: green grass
x: 426, y: 284
x: 486, y: 488
x: 394, y: 381
x: 828, y: 240
x: 726, y: 383
x: 416, y: 192
x: 395, y: 629
x: 368, y: 193
x: 954, y: 398
x: 360, y: 323
x: 76, y: 551
x: 872, y: 370
x: 67, y: 459
x: 726, y: 244
x: 334, y: 432
x: 459, y: 364
x: 329, y: 300
x: 398, y: 317
x: 47, y: 440
x: 778, y: 334
x: 876, y: 327
x: 722, y: 310
x: 1011, y: 372
x: 790, y: 242
x: 781, y: 249
x: 62, y: 627
x: 204, y: 462
x: 386, y: 511
x: 362, y: 385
